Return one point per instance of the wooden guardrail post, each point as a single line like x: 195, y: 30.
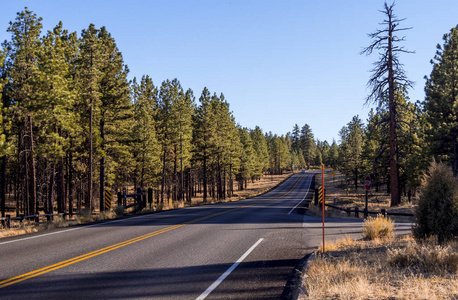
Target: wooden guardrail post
x: 316, y: 196
x: 8, y: 221
x: 144, y: 199
x: 383, y: 212
x: 139, y: 198
x: 150, y: 197
x: 119, y: 198
x: 357, y: 212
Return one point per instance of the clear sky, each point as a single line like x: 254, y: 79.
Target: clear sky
x: 278, y: 63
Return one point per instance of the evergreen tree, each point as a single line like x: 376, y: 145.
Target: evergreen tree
x: 114, y: 110
x: 246, y: 158
x: 145, y: 145
x: 53, y: 112
x: 307, y: 143
x: 351, y: 147
x: 21, y: 64
x: 333, y: 154
x: 169, y: 93
x: 88, y: 75
x: 295, y: 138
x: 202, y: 136
x: 181, y: 113
x: 3, y: 143
x: 386, y: 74
x: 441, y: 98
x: 261, y: 162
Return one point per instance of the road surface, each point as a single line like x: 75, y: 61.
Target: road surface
x: 237, y: 250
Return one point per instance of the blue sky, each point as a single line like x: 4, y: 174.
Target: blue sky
x: 278, y: 63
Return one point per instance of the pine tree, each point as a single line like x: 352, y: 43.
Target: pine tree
x: 333, y: 154
x: 246, y: 158
x: 441, y: 98
x: 181, y: 113
x: 351, y: 147
x: 388, y: 73
x: 202, y: 136
x: 52, y: 108
x: 145, y: 145
x: 3, y: 143
x: 295, y: 138
x: 307, y: 143
x: 260, y: 147
x: 114, y: 109
x: 168, y: 134
x: 88, y: 76
x: 21, y: 64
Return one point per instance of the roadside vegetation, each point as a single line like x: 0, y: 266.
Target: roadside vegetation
x: 420, y: 265
x: 390, y: 268
x: 261, y: 186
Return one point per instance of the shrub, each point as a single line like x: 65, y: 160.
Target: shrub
x: 437, y: 213
x: 378, y: 227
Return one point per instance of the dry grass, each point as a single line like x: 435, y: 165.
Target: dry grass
x: 397, y: 268
x: 22, y: 229
x: 378, y: 227
x: 427, y: 257
x: 346, y: 242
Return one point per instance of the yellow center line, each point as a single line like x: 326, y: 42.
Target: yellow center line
x: 71, y: 261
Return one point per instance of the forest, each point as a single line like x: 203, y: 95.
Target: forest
x: 74, y: 125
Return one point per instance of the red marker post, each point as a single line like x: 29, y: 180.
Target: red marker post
x: 322, y: 184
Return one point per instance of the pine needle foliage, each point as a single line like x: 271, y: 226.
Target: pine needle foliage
x: 437, y: 211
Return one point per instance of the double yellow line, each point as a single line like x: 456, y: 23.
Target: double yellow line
x: 71, y: 261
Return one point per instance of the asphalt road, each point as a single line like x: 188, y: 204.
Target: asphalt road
x: 237, y: 250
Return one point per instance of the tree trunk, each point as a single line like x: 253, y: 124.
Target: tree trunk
x: 60, y: 187
x: 3, y: 186
x: 164, y: 157
x: 70, y: 183
x: 356, y: 179
x: 89, y: 177
x: 204, y: 174
x: 33, y: 180
x: 395, y: 197
x: 50, y: 190
x: 102, y: 167
x: 163, y: 176
x: 231, y: 182
x: 455, y: 156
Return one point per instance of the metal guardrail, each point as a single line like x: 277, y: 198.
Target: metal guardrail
x: 356, y: 211
x: 6, y: 221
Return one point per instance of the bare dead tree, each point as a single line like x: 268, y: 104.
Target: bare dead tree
x: 388, y: 74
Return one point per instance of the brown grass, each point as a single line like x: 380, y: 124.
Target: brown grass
x: 377, y: 227
x: 389, y: 269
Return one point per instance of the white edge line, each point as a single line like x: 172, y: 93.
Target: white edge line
x: 83, y: 227
x: 229, y: 271
x: 302, y: 198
